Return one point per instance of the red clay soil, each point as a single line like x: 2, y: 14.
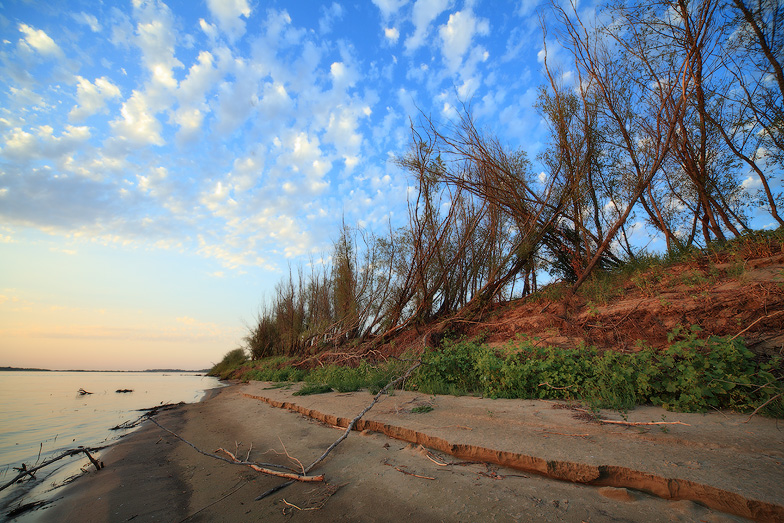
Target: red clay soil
x: 723, y: 300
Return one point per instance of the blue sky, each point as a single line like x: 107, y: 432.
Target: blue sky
x: 161, y: 163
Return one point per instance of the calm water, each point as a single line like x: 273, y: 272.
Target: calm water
x: 43, y: 412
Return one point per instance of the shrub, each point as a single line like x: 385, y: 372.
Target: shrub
x: 691, y: 374
x: 230, y: 362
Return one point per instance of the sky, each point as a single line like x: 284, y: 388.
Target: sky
x: 162, y: 163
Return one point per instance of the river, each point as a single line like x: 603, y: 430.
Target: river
x: 42, y: 414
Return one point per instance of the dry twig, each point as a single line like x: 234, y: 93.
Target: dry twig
x: 24, y: 471
x: 287, y: 475
x: 376, y: 398
x: 406, y: 472
x: 762, y: 406
x: 258, y: 467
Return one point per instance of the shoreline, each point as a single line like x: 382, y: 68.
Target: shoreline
x: 96, y: 495
x: 150, y: 475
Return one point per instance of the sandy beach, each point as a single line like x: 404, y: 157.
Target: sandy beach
x: 446, y: 464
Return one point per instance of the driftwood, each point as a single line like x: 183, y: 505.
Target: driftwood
x: 119, y: 391
x: 150, y: 411
x: 636, y: 423
x: 24, y: 471
x: 401, y: 469
x: 289, y: 475
x: 774, y: 398
x: 348, y: 430
x: 259, y: 467
x: 629, y: 423
x: 83, y: 392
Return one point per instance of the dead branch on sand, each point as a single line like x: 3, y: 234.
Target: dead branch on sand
x: 385, y: 462
x: 627, y: 423
x: 763, y: 406
x: 637, y: 423
x: 258, y: 467
x: 24, y: 471
x: 287, y: 475
x: 315, y: 503
x: 376, y: 398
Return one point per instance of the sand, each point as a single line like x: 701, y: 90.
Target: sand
x: 606, y: 472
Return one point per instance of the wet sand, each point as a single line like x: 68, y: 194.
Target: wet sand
x: 152, y: 476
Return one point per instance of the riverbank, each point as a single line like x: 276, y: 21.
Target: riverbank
x: 371, y: 477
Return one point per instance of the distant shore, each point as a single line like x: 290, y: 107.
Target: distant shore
x: 151, y: 475
x: 29, y: 369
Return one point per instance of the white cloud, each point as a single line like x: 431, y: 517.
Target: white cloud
x: 228, y: 13
x: 238, y: 100
x: 457, y: 34
x: 43, y: 143
x: 39, y: 41
x: 202, y: 78
x: 91, y: 97
x: 87, y: 19
x: 343, y: 76
x: 209, y: 29
x: 389, y: 7
x: 246, y: 171
x: 392, y: 34
x: 137, y: 124
x: 424, y: 12
x: 156, y: 36
x: 329, y: 15
x: 343, y: 131
x: 155, y: 182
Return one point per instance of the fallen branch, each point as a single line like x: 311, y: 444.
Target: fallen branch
x: 636, y: 423
x: 762, y: 406
x: 556, y: 388
x: 24, y: 471
x: 755, y: 322
x: 629, y: 423
x: 432, y: 458
x: 287, y: 475
x: 564, y: 434
x: 259, y: 467
x: 150, y: 411
x: 348, y: 430
x: 83, y: 392
x: 315, y: 503
x: 407, y: 472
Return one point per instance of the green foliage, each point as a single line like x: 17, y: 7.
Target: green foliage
x: 692, y: 374
x: 263, y: 339
x: 350, y: 379
x: 310, y: 388
x: 231, y: 361
x: 422, y: 409
x: 601, y: 287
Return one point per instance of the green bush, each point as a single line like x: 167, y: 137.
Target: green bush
x: 230, y: 362
x: 309, y: 389
x: 692, y: 374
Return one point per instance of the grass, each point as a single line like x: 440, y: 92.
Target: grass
x: 309, y: 389
x: 422, y: 409
x: 231, y: 361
